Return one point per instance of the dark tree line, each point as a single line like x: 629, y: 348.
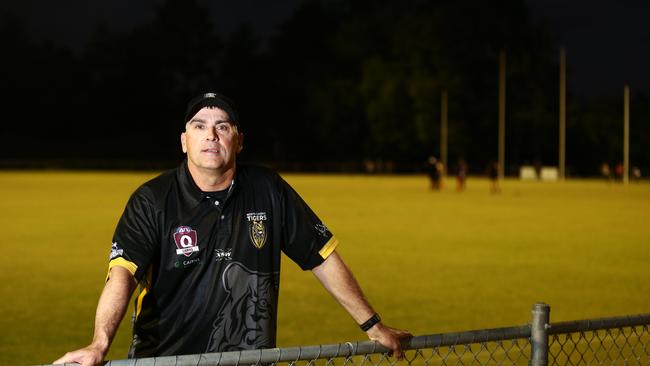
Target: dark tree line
x: 341, y: 82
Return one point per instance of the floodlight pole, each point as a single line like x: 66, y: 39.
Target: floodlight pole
x: 626, y: 134
x: 562, y: 154
x: 443, y: 128
x: 502, y: 112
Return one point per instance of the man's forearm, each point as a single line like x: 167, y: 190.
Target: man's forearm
x: 112, y: 306
x: 339, y: 281
x: 110, y: 311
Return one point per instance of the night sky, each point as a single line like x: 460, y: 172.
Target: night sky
x: 607, y: 42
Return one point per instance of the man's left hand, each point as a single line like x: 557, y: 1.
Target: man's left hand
x: 389, y: 338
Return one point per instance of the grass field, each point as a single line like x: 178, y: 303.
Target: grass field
x: 429, y: 262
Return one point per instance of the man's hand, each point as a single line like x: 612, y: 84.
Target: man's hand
x: 88, y: 356
x: 340, y: 283
x: 110, y: 311
x: 389, y: 338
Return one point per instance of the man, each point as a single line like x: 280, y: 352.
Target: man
x: 434, y: 172
x: 493, y: 176
x: 203, y: 241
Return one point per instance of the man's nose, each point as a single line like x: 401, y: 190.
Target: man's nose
x: 212, y: 134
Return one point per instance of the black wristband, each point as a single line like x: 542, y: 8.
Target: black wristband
x: 370, y: 322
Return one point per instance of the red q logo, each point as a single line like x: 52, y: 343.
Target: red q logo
x: 185, y: 239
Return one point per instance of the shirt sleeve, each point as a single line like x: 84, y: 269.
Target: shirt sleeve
x: 135, y: 237
x: 306, y: 240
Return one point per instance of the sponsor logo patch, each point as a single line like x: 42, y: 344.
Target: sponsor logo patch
x: 223, y: 255
x: 257, y: 228
x: 185, y: 239
x: 187, y: 262
x: 115, y: 251
x: 322, y: 229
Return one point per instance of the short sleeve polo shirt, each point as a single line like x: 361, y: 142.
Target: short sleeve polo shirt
x: 209, y: 267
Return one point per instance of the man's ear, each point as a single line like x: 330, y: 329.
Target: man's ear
x: 240, y: 141
x: 183, y: 142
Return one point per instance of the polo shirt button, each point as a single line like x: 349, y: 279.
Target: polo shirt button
x: 216, y: 203
x: 223, y: 217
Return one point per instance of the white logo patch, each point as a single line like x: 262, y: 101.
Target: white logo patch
x: 115, y: 251
x: 322, y: 229
x: 223, y: 255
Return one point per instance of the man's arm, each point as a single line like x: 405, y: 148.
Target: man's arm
x: 112, y: 305
x: 339, y: 281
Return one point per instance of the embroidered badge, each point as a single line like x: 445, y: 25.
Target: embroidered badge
x: 223, y: 254
x: 185, y: 238
x: 115, y: 251
x: 322, y: 229
x: 257, y: 228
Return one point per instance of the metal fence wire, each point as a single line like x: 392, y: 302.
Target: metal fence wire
x: 614, y: 341
x: 606, y: 341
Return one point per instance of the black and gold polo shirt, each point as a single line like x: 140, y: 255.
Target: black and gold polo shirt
x: 208, y: 264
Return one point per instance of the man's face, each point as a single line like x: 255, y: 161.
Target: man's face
x: 210, y: 140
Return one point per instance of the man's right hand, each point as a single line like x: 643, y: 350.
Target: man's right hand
x: 88, y: 356
x: 110, y: 311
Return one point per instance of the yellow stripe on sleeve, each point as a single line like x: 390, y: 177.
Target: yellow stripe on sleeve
x: 145, y: 290
x: 328, y: 248
x: 121, y: 262
x: 138, y: 303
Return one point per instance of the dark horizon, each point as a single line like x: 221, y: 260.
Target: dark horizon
x: 299, y: 70
x: 607, y: 44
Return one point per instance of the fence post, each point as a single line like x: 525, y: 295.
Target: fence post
x: 539, y: 334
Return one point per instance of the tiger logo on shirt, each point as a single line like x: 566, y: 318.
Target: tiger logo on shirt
x: 257, y: 228
x: 247, y: 319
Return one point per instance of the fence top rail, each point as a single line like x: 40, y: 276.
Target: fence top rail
x: 305, y: 353
x: 347, y: 349
x: 599, y: 324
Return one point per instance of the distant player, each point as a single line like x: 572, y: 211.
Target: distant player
x: 204, y: 241
x: 493, y: 176
x: 461, y: 174
x: 605, y: 172
x: 434, y: 170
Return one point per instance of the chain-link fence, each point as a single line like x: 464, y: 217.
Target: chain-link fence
x: 606, y: 341
x: 612, y: 341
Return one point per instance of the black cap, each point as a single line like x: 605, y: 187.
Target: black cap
x: 211, y: 100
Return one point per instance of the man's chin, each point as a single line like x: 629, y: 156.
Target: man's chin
x: 212, y: 163
x: 217, y: 165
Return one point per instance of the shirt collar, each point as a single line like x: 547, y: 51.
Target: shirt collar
x: 191, y: 191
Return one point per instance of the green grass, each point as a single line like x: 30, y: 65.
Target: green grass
x: 429, y: 262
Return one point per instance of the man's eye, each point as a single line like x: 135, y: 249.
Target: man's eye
x: 223, y: 128
x: 199, y: 126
